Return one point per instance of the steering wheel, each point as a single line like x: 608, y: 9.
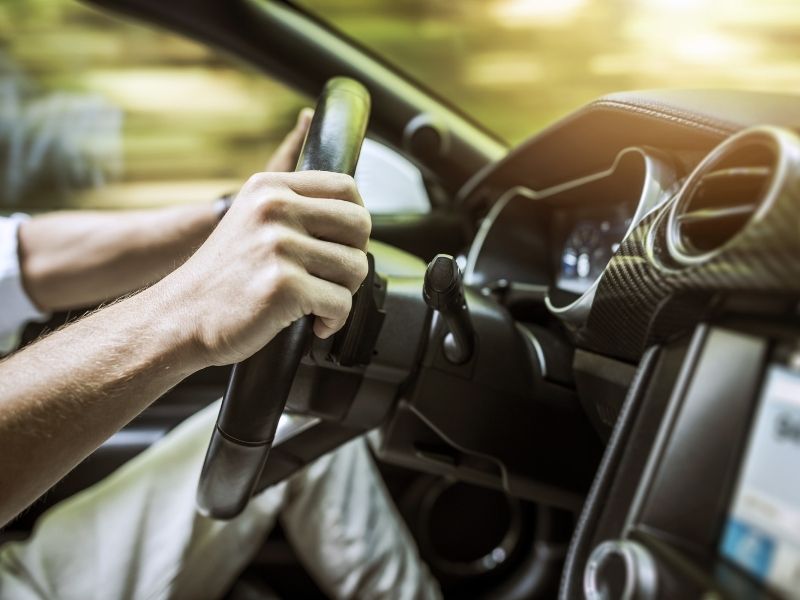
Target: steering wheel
x: 258, y: 388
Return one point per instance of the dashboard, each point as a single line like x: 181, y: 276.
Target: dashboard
x: 616, y: 248
x: 656, y: 249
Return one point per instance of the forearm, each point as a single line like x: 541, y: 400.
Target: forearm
x: 277, y: 257
x: 76, y: 259
x: 61, y: 397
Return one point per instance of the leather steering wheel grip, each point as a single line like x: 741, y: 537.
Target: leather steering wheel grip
x: 259, y: 386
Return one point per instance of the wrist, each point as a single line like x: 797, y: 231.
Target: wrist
x: 172, y: 327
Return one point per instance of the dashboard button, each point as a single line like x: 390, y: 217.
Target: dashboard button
x: 620, y: 570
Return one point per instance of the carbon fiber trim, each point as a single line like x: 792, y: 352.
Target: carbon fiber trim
x: 647, y: 293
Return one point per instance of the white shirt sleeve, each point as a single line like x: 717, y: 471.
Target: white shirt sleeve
x: 16, y: 308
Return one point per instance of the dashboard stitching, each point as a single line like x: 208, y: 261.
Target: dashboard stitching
x: 671, y: 114
x: 670, y: 109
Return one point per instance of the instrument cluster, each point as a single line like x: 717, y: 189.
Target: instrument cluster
x: 589, y: 242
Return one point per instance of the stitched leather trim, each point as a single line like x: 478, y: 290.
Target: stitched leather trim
x: 663, y: 112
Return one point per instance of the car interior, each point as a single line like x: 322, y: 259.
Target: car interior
x: 579, y: 371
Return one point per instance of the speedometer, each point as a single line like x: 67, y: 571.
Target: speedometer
x: 585, y: 255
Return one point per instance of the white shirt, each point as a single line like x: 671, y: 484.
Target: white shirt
x: 16, y: 308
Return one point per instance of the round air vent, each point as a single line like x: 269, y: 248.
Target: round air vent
x: 736, y: 183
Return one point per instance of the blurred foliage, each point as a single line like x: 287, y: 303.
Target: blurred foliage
x: 517, y: 65
x: 194, y: 123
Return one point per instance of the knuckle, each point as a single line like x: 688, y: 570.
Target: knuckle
x: 279, y: 242
x: 274, y: 205
x: 283, y: 281
x: 364, y: 223
x: 343, y: 186
x: 360, y: 272
x: 359, y: 224
x: 254, y: 181
x: 257, y: 181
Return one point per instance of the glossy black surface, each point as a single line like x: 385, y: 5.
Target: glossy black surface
x: 259, y: 387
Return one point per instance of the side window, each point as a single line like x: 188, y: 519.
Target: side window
x: 390, y: 183
x: 98, y: 112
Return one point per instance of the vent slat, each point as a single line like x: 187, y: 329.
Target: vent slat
x: 724, y: 199
x: 722, y: 196
x: 734, y: 172
x: 712, y: 214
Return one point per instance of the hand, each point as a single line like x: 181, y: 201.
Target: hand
x: 285, y: 157
x: 292, y: 244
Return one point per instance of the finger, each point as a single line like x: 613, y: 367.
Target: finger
x: 312, y: 184
x: 330, y: 303
x: 333, y: 220
x: 338, y: 264
x: 328, y: 219
x: 324, y: 184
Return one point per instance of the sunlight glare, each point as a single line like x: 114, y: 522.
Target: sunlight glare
x: 527, y: 13
x: 710, y: 48
x: 677, y: 6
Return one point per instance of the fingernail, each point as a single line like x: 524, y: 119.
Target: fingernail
x: 305, y: 115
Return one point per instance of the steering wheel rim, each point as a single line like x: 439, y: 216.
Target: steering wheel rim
x: 259, y: 387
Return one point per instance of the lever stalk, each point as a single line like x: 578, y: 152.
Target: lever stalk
x: 443, y: 291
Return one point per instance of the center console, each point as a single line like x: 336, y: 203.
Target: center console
x: 698, y: 494
x: 761, y: 534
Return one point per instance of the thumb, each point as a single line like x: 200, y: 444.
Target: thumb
x: 304, y: 119
x: 286, y: 155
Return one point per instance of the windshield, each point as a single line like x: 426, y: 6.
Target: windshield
x: 517, y: 65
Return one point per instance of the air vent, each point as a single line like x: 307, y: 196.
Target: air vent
x: 723, y: 194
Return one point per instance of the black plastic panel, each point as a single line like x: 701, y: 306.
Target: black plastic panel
x: 666, y: 483
x: 700, y: 457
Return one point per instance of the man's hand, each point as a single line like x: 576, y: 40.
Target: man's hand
x: 293, y: 244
